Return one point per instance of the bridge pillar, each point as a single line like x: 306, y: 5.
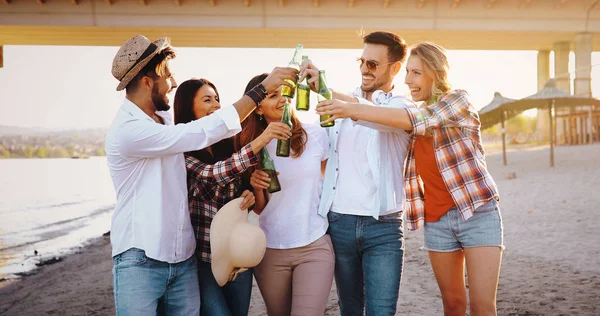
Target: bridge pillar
x: 583, y: 64
x: 564, y: 129
x: 543, y: 70
x: 583, y: 78
x: 561, y: 65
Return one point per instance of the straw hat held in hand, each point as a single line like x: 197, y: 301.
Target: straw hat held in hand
x: 235, y: 244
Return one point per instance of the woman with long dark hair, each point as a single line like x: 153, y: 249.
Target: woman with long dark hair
x: 214, y: 179
x: 296, y: 273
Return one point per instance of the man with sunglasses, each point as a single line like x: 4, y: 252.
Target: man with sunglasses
x: 363, y: 190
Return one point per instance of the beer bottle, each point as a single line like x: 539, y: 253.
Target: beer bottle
x: 284, y: 146
x: 286, y: 91
x: 267, y: 165
x: 324, y: 94
x: 303, y: 96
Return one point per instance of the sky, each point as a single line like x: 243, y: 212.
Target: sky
x: 71, y: 87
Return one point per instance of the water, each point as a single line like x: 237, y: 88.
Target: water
x: 50, y: 206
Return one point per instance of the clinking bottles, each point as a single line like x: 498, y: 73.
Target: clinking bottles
x: 286, y: 91
x: 303, y: 93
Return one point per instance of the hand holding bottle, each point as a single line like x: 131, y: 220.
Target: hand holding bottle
x: 336, y: 109
x: 311, y: 72
x: 267, y: 167
x: 277, y: 78
x: 260, y: 179
x: 275, y: 130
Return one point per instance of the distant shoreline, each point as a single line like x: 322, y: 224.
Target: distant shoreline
x: 54, y: 258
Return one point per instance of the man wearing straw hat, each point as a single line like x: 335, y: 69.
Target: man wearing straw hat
x: 152, y: 239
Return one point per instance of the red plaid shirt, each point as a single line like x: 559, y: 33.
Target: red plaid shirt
x: 455, y: 126
x: 210, y: 187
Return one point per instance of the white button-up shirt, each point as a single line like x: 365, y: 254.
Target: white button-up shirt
x: 147, y: 167
x: 386, y: 152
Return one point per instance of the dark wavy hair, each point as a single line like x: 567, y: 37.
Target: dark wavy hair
x: 183, y: 108
x: 396, y: 45
x: 252, y: 127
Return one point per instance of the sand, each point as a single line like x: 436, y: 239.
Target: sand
x: 551, y: 264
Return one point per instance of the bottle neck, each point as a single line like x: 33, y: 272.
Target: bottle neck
x: 322, y: 83
x: 297, y: 59
x: 264, y: 154
x: 285, y: 118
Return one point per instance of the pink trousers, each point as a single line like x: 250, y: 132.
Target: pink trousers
x: 297, y: 281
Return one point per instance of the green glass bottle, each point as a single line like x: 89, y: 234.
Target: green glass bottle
x: 303, y: 93
x: 324, y: 94
x: 286, y: 91
x: 267, y: 165
x: 284, y: 146
x: 305, y: 58
x: 303, y: 98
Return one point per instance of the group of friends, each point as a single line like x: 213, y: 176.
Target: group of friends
x: 347, y: 191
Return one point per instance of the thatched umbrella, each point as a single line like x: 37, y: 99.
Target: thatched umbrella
x: 550, y: 97
x: 493, y: 113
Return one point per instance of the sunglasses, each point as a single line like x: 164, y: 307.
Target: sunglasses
x: 371, y: 64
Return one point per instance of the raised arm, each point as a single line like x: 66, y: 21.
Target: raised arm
x: 397, y: 102
x: 144, y: 138
x: 222, y: 172
x: 453, y: 110
x: 309, y: 69
x: 393, y: 117
x: 274, y: 80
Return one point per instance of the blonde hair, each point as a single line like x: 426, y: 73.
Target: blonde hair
x: 436, y: 65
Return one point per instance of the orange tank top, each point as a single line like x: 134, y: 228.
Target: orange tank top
x: 438, y: 200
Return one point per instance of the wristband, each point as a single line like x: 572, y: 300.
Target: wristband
x: 257, y: 94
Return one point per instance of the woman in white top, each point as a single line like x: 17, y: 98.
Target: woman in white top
x: 296, y: 273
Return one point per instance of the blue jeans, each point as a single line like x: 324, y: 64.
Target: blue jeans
x: 368, y: 262
x: 233, y: 299
x: 144, y: 286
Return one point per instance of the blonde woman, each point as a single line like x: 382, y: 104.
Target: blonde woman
x: 458, y: 199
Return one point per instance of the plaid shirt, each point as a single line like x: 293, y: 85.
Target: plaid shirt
x: 455, y: 126
x: 210, y: 187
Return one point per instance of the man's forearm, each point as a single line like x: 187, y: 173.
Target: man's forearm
x: 244, y: 107
x: 393, y: 117
x: 343, y: 96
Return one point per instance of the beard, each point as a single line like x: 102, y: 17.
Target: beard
x: 377, y: 84
x: 161, y: 102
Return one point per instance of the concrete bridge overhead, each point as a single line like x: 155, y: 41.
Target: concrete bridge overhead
x: 560, y: 26
x: 455, y: 24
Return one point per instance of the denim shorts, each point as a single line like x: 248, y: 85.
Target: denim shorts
x: 452, y: 232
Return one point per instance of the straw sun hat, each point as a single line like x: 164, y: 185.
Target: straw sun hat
x: 134, y: 55
x: 235, y: 244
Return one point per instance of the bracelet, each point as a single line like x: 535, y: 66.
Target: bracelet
x: 258, y: 93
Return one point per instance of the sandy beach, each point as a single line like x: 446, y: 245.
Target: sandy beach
x: 551, y: 264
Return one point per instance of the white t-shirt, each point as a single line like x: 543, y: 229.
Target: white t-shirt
x: 290, y: 218
x: 356, y: 190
